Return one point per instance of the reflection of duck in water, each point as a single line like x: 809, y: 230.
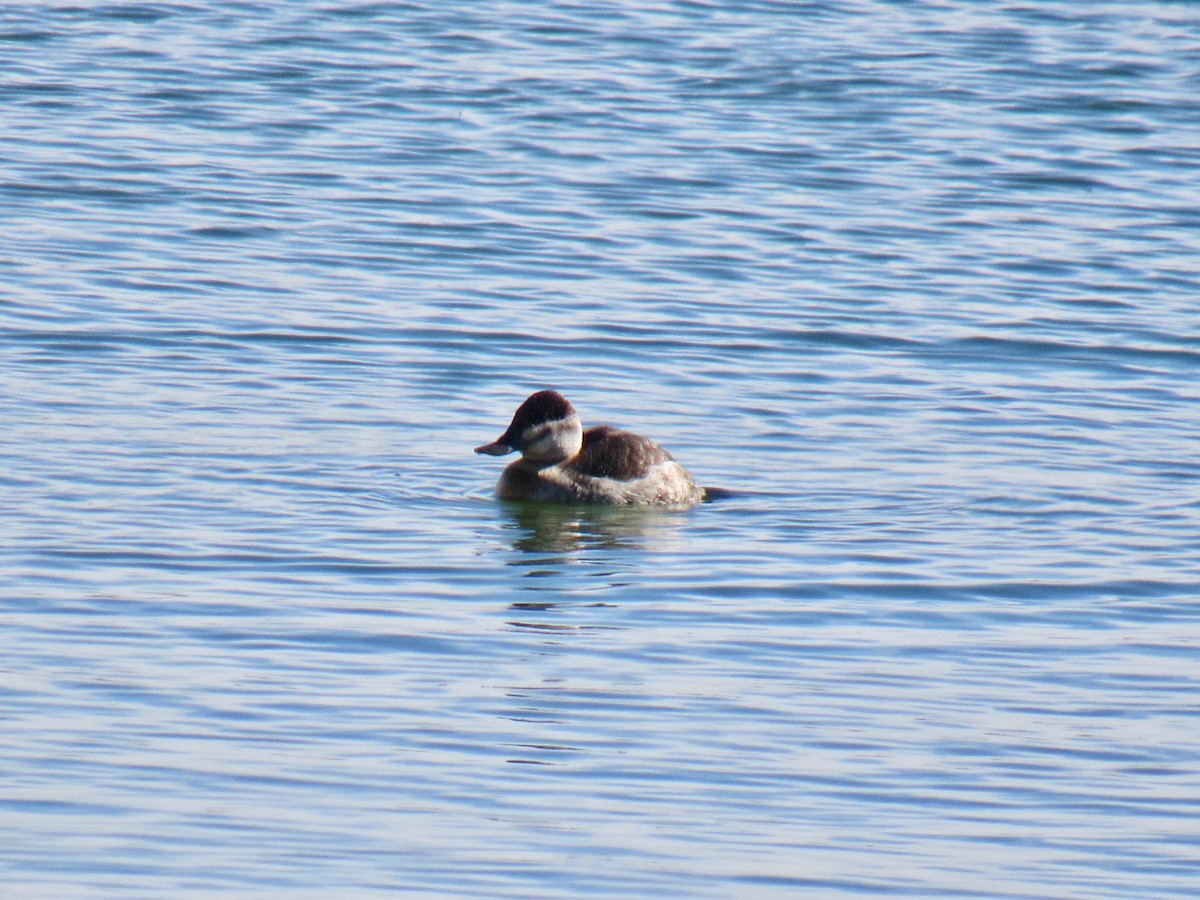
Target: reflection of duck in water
x: 562, y: 463
x: 559, y: 528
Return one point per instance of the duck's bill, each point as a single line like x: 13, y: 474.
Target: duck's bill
x: 495, y: 448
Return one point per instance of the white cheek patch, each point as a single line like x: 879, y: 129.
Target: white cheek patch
x: 545, y: 446
x: 548, y: 439
x: 535, y: 433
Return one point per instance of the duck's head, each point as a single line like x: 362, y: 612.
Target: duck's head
x: 545, y: 428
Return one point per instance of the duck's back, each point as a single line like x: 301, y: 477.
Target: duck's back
x: 623, y: 468
x: 609, y: 452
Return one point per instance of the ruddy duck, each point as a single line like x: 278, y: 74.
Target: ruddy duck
x: 562, y: 463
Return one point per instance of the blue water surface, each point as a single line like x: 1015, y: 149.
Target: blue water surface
x: 916, y: 282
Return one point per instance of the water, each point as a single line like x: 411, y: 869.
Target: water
x: 915, y: 281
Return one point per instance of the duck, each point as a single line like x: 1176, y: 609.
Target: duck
x: 562, y: 462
